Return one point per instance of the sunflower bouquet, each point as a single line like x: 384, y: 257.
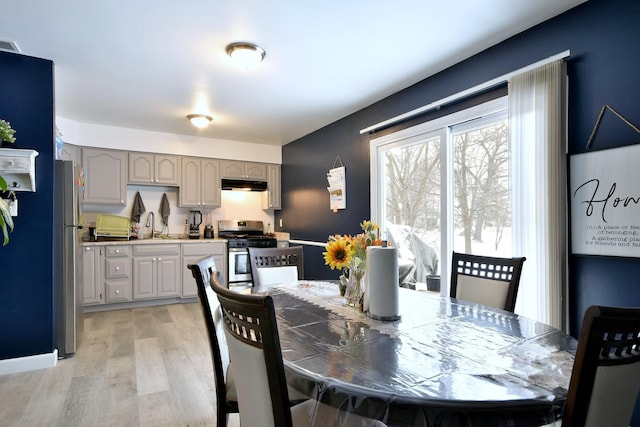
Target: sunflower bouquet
x: 349, y: 253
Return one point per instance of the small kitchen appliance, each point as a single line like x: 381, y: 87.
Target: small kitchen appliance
x: 195, y: 219
x: 208, y: 229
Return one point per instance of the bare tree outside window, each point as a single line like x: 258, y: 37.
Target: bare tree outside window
x: 413, y: 184
x: 481, y: 190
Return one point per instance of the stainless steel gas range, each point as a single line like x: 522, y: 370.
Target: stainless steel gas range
x: 240, y: 235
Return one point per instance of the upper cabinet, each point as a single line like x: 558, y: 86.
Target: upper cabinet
x: 244, y: 170
x: 71, y: 152
x: 153, y: 169
x: 107, y: 173
x: 210, y: 173
x: 200, y: 183
x: 105, y: 176
x: 271, y: 198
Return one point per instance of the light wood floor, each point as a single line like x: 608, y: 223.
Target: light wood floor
x: 136, y: 367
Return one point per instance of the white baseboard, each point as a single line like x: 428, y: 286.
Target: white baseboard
x: 28, y: 363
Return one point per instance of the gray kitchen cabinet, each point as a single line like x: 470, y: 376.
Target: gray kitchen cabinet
x: 92, y: 257
x: 211, y: 197
x: 200, y: 183
x: 156, y: 271
x: 105, y: 176
x: 117, y: 273
x: 153, y: 169
x: 192, y: 252
x: 71, y: 152
x: 244, y: 170
x: 271, y: 199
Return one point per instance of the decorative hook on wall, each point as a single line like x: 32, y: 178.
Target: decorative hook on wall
x: 337, y: 162
x: 599, y: 119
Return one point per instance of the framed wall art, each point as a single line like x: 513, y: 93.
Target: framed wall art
x: 604, y: 195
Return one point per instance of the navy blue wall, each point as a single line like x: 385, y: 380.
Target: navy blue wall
x: 603, y: 69
x: 26, y: 276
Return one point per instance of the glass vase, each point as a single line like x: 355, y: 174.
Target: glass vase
x: 355, y: 288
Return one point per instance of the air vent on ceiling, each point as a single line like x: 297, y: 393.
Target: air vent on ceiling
x: 9, y: 46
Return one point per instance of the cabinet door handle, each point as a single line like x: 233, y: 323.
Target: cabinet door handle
x: 117, y: 291
x: 117, y: 268
x: 117, y: 251
x: 159, y: 259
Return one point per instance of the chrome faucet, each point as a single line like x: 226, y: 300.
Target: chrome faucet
x: 151, y: 223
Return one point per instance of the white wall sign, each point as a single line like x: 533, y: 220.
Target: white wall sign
x: 337, y: 188
x: 605, y: 202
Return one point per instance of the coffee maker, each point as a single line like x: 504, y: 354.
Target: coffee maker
x: 195, y: 219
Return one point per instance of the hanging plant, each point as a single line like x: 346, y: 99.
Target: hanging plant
x: 6, y: 222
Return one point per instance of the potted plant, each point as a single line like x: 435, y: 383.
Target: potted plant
x: 6, y: 222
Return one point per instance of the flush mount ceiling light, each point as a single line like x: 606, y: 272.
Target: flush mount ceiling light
x: 246, y: 55
x: 200, y: 120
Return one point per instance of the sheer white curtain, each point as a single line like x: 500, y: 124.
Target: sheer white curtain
x: 536, y: 125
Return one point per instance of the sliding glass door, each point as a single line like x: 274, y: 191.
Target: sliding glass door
x: 442, y: 186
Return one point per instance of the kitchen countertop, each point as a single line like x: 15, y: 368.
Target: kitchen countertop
x: 156, y: 241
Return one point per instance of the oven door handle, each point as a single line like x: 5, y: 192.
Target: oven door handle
x: 236, y: 250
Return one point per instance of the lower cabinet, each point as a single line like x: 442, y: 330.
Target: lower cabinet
x: 117, y: 273
x: 106, y: 274
x: 92, y: 289
x: 135, y: 272
x: 156, y: 271
x: 193, y: 252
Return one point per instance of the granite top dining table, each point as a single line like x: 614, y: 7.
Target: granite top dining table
x: 445, y: 362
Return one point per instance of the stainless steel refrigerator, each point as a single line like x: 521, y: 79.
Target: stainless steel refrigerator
x: 68, y: 292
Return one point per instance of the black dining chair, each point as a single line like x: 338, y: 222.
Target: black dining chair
x: 486, y: 280
x: 203, y: 271
x: 605, y: 379
x: 276, y: 265
x: 263, y: 399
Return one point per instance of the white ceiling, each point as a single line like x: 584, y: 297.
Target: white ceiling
x: 146, y: 64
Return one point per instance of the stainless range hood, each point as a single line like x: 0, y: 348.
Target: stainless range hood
x: 243, y: 185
